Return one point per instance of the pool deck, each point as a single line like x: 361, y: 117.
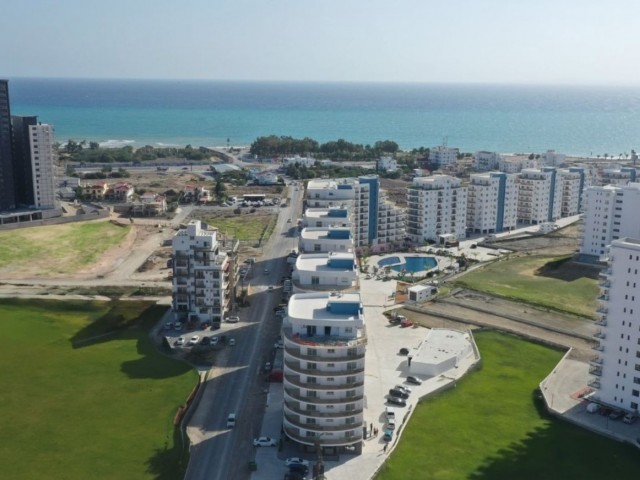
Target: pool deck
x: 442, y: 262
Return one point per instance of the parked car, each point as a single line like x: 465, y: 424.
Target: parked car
x: 194, y: 340
x: 180, y: 341
x: 206, y: 341
x: 397, y: 401
x: 391, y: 424
x: 278, y: 344
x: 213, y: 341
x: 398, y: 393
x: 233, y: 319
x: 168, y: 325
x: 264, y: 442
x: 231, y: 420
x: 402, y: 388
x: 299, y: 469
x: 266, y: 271
x: 615, y: 414
x: 629, y: 418
x: 414, y: 380
x: 296, y: 461
x: 177, y: 326
x: 270, y: 288
x: 387, y: 436
x: 232, y: 342
x: 267, y: 367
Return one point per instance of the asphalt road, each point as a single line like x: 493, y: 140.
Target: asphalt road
x: 237, y: 385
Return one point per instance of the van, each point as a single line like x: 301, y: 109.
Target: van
x: 390, y: 413
x: 231, y: 420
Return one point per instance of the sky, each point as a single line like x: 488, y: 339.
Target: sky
x: 584, y: 42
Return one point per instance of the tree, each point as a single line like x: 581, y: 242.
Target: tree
x: 219, y: 189
x: 94, y: 145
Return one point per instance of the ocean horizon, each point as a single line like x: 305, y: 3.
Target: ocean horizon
x: 580, y: 120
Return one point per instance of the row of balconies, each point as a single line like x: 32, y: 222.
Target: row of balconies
x: 292, y: 393
x: 296, y: 407
x: 349, y: 371
x: 351, y: 422
x: 348, y: 438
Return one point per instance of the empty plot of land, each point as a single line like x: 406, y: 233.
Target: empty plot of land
x: 243, y: 226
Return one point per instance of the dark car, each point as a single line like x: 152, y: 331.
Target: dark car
x: 404, y: 351
x: 615, y: 415
x: 397, y: 401
x: 205, y: 341
x: 414, y: 380
x: 398, y: 393
x: 299, y: 468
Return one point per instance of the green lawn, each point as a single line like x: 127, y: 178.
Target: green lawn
x: 244, y: 226
x: 491, y: 427
x: 59, y: 248
x: 545, y: 281
x: 73, y: 407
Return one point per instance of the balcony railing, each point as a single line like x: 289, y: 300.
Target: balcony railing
x: 324, y: 440
x: 594, y: 383
x: 349, y: 357
x: 314, y: 413
x: 595, y: 370
x: 341, y: 387
x: 295, y: 366
x: 321, y: 428
x: 325, y: 341
x: 295, y: 395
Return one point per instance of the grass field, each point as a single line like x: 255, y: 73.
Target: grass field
x: 59, y: 248
x: 551, y: 282
x: 73, y: 407
x: 491, y: 427
x: 244, y: 227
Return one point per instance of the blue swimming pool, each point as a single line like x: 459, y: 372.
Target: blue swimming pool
x: 409, y: 264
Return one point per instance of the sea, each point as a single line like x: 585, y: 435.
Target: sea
x: 582, y: 121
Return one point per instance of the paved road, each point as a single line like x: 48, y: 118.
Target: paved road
x: 237, y: 384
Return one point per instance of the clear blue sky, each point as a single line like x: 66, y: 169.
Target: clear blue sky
x: 477, y: 41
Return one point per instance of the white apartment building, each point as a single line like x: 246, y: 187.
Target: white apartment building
x: 616, y: 368
x: 299, y: 161
x: 202, y: 275
x: 327, y: 217
x: 492, y: 202
x: 616, y: 176
x: 553, y: 159
x: 391, y: 224
x: 436, y: 206
x: 537, y: 191
x: 325, y: 240
x: 42, y: 164
x: 324, y: 271
x: 324, y: 370
x: 387, y: 164
x: 610, y: 213
x: 486, y: 161
x: 571, y: 183
x: 443, y: 155
x: 325, y: 193
x: 516, y: 165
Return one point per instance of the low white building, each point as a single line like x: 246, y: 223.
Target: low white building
x: 553, y: 159
x: 486, y: 161
x: 442, y: 350
x: 299, y: 161
x: 387, y: 164
x: 443, y: 155
x: 327, y: 217
x: 325, y: 271
x: 319, y: 240
x: 516, y: 165
x: 616, y: 176
x: 266, y: 178
x: 421, y: 293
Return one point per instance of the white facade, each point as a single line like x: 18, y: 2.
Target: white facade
x: 327, y: 217
x: 610, y: 213
x: 616, y: 176
x: 553, y: 159
x: 300, y: 161
x: 331, y: 193
x: 570, y: 183
x: 324, y: 240
x: 492, y: 203
x: 323, y: 271
x: 442, y: 350
x: 616, y: 369
x: 537, y: 191
x: 202, y: 275
x: 420, y: 293
x: 324, y: 369
x: 42, y: 163
x: 516, y: 165
x: 436, y: 206
x: 443, y: 155
x: 387, y: 164
x: 486, y: 161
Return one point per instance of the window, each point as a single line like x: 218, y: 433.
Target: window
x: 315, y: 280
x: 635, y: 393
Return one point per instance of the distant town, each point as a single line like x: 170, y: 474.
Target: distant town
x: 327, y: 295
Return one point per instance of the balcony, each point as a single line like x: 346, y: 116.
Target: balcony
x: 602, y: 322
x: 295, y: 421
x: 326, y: 341
x: 314, y: 413
x: 295, y: 366
x: 349, y: 357
x: 295, y: 380
x: 295, y: 395
x: 602, y: 309
x: 598, y: 347
x: 596, y: 361
x: 594, y: 383
x: 603, y: 297
x: 347, y: 439
x: 595, y: 370
x: 600, y: 334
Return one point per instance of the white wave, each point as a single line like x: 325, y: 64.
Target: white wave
x: 116, y: 143
x: 166, y: 145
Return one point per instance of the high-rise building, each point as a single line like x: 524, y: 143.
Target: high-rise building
x: 616, y: 368
x: 436, y: 206
x: 492, y: 202
x: 538, y: 190
x: 42, y: 165
x: 22, y: 160
x: 7, y: 191
x: 324, y: 362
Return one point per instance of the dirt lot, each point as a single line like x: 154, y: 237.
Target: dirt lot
x: 396, y: 190
x: 561, y: 242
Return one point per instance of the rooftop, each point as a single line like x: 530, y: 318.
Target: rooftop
x: 327, y: 262
x: 440, y: 345
x: 326, y: 306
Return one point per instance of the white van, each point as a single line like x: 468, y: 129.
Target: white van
x: 231, y: 420
x: 390, y: 413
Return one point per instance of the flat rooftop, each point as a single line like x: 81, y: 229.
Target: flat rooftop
x: 322, y: 233
x: 316, y: 306
x: 319, y: 262
x: 440, y: 345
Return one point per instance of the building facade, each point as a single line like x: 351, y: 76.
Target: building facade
x: 486, y: 161
x: 325, y: 271
x: 570, y: 183
x: 436, y: 206
x: 203, y: 277
x: 538, y: 190
x: 492, y: 202
x: 324, y: 362
x: 616, y: 368
x: 327, y: 217
x: 443, y: 155
x: 325, y: 240
x: 42, y: 159
x: 616, y: 176
x: 7, y: 191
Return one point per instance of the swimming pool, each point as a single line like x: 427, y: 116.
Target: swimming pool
x: 408, y: 264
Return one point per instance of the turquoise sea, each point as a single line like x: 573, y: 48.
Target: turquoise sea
x: 572, y: 120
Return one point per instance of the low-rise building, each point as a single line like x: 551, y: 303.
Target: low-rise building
x: 299, y: 161
x: 120, y: 192
x: 149, y: 205
x: 616, y: 176
x: 443, y: 155
x: 442, y: 350
x: 486, y: 161
x: 95, y: 190
x: 324, y: 240
x: 327, y: 217
x: 387, y: 164
x: 325, y: 271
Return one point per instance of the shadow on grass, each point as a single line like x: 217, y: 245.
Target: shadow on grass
x: 169, y: 463
x: 567, y: 270
x: 561, y: 451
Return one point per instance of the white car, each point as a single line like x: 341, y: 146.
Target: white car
x: 278, y: 344
x: 231, y: 420
x: 213, y: 341
x: 232, y: 342
x: 296, y: 461
x: 233, y: 319
x: 194, y: 340
x: 264, y: 442
x: 180, y: 341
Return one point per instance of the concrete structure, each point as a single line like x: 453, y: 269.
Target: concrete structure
x: 203, y: 275
x: 420, y: 293
x: 443, y: 155
x: 553, y: 159
x: 266, y: 178
x: 492, y: 203
x: 616, y: 176
x: 327, y: 217
x: 538, y: 190
x: 149, y: 205
x: 325, y: 271
x: 486, y: 161
x: 7, y: 191
x: 324, y: 357
x: 120, y: 192
x: 516, y: 165
x: 616, y: 368
x: 436, y: 205
x: 324, y: 240
x: 611, y: 212
x: 387, y: 164
x: 442, y: 350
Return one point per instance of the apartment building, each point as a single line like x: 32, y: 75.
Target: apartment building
x: 616, y: 176
x: 7, y: 190
x: 538, y: 190
x: 391, y: 225
x: 203, y: 275
x: 436, y: 206
x: 616, y: 368
x: 516, y: 165
x: 570, y: 184
x: 486, y: 161
x: 553, y: 159
x: 492, y: 202
x: 325, y: 240
x: 610, y: 213
x: 325, y: 271
x: 328, y: 217
x: 387, y: 164
x: 324, y: 370
x: 443, y: 155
